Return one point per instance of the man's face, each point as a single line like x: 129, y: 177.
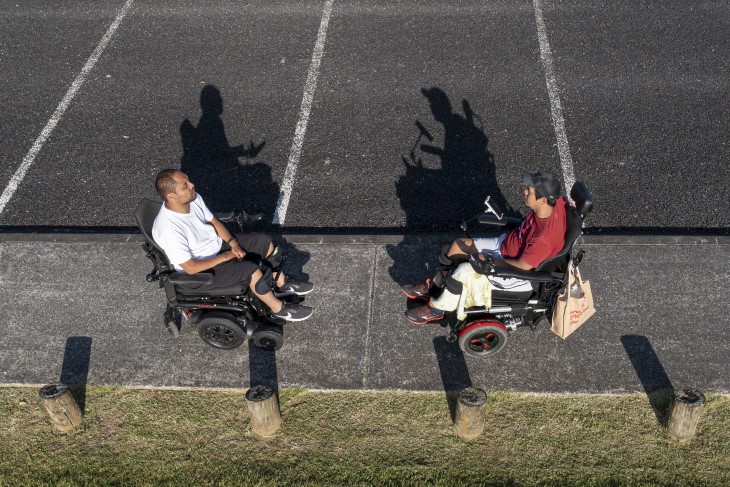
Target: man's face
x: 184, y: 189
x: 530, y: 200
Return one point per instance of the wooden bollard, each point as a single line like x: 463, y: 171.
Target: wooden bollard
x: 469, y: 419
x: 263, y: 409
x: 61, y: 407
x: 684, y: 413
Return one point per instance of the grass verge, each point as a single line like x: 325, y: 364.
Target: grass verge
x: 152, y: 437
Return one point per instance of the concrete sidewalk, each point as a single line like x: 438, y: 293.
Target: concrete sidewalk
x: 661, y: 321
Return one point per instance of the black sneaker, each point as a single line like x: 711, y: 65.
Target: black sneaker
x: 418, y: 291
x: 292, y: 286
x: 293, y: 312
x: 424, y: 314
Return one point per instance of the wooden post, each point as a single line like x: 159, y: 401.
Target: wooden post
x: 263, y: 409
x: 469, y: 420
x: 684, y: 413
x: 61, y: 407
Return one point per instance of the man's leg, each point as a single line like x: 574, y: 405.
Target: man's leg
x: 287, y: 311
x: 449, y: 258
x: 260, y: 246
x: 263, y: 292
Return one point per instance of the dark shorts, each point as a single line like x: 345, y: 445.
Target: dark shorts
x: 235, y: 272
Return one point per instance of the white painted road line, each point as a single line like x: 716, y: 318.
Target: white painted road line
x: 296, y: 148
x: 60, y: 110
x: 566, y: 161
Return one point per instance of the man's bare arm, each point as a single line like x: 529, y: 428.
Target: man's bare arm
x: 517, y: 263
x: 223, y: 233
x: 194, y: 266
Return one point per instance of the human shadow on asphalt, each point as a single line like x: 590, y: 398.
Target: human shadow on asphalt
x: 453, y: 369
x: 651, y: 373
x: 75, y: 368
x: 444, y: 185
x: 223, y: 174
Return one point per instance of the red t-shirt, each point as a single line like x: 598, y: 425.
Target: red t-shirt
x: 537, y: 239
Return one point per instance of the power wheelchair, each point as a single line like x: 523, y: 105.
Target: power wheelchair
x: 224, y: 317
x: 484, y: 331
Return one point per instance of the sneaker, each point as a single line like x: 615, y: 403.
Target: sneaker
x: 424, y: 314
x: 293, y: 312
x: 418, y: 291
x: 292, y: 286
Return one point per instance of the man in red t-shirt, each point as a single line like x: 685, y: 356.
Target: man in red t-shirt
x: 540, y: 236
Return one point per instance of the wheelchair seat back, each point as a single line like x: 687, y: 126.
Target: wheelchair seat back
x: 145, y: 214
x: 574, y: 216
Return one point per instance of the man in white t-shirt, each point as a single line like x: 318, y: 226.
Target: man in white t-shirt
x: 196, y: 241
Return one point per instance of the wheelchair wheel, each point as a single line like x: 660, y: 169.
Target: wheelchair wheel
x: 219, y: 330
x: 482, y: 341
x: 269, y: 337
x: 170, y: 318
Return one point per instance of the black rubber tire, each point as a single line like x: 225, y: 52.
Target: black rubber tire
x: 219, y: 330
x: 170, y: 318
x: 269, y: 337
x: 483, y: 341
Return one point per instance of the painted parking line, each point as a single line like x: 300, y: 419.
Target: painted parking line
x: 556, y: 109
x: 309, y: 87
x: 61, y: 109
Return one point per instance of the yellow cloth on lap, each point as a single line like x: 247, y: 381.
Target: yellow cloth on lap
x: 476, y: 291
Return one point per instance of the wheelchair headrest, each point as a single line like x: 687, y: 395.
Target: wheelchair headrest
x: 582, y: 198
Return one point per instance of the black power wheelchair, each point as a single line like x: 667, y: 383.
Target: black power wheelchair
x: 484, y: 331
x: 224, y: 317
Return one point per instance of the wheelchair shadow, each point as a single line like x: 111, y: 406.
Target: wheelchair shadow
x: 454, y: 371
x: 75, y: 368
x: 222, y: 173
x: 444, y: 186
x: 651, y: 373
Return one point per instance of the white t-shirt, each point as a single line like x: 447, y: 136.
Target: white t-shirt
x: 185, y: 236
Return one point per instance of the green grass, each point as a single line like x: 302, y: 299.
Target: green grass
x: 148, y: 437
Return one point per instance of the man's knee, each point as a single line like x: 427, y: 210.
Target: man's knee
x: 274, y: 256
x: 462, y: 246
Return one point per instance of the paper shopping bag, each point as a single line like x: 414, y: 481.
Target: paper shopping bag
x: 574, y: 305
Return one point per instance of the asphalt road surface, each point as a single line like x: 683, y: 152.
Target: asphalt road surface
x: 81, y: 310
x: 366, y: 118
x: 643, y: 90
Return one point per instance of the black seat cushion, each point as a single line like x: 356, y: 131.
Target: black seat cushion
x: 511, y: 297
x: 186, y: 290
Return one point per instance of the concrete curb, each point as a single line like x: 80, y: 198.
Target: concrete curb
x: 364, y: 239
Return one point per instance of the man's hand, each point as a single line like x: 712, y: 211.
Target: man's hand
x: 237, y: 250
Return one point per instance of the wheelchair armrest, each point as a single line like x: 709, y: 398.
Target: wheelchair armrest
x: 506, y: 221
x: 225, y: 217
x: 501, y: 271
x: 182, y: 278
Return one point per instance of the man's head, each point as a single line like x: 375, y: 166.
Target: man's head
x: 540, y: 188
x: 173, y: 186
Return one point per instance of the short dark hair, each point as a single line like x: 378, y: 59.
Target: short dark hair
x: 550, y: 201
x: 165, y: 183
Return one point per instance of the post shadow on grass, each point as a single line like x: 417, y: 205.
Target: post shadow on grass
x: 651, y: 374
x: 75, y: 368
x: 454, y: 372
x: 222, y: 173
